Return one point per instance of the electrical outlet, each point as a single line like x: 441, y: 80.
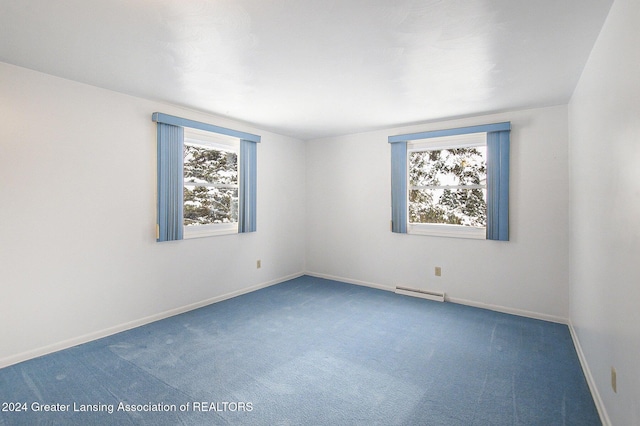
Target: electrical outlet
x: 259, y: 264
x: 438, y: 271
x: 614, y: 380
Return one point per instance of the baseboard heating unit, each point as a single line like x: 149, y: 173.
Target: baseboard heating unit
x: 424, y: 294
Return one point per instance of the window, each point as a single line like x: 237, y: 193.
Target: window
x: 210, y: 169
x: 206, y: 179
x: 452, y: 182
x: 448, y: 186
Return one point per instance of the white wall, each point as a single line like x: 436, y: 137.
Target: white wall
x: 78, y: 257
x: 604, y: 117
x: 348, y: 215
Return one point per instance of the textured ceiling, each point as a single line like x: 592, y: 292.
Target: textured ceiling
x: 312, y: 69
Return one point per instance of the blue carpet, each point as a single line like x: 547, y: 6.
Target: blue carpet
x: 311, y: 352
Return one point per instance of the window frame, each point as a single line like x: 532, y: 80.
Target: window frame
x: 221, y: 143
x: 467, y: 140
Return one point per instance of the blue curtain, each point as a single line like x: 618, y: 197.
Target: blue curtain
x: 399, y: 187
x: 247, y: 183
x: 498, y: 186
x: 170, y: 182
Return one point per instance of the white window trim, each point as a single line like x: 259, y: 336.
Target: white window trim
x: 210, y: 230
x: 220, y: 142
x: 442, y: 229
x: 446, y: 230
x: 211, y: 140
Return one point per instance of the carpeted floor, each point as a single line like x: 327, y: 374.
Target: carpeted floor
x: 311, y: 352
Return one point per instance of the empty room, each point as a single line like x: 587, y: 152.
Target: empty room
x: 249, y: 212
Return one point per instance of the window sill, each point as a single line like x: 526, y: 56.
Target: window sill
x: 451, y: 231
x: 213, y: 230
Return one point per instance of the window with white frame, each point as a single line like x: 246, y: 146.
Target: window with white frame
x: 447, y: 185
x: 452, y: 182
x: 207, y: 179
x: 210, y: 168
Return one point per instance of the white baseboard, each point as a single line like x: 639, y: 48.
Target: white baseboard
x: 350, y: 281
x: 507, y: 310
x: 34, y: 353
x: 497, y: 308
x: 597, y: 399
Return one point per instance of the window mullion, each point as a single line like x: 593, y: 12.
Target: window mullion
x: 473, y: 186
x: 212, y: 185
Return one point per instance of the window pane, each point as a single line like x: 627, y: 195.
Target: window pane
x: 455, y: 206
x: 453, y: 166
x: 210, y: 165
x: 206, y: 205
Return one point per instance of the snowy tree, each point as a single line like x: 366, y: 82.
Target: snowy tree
x: 448, y: 186
x: 211, y: 185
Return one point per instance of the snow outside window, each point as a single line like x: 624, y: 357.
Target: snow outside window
x: 210, y: 184
x: 447, y: 186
